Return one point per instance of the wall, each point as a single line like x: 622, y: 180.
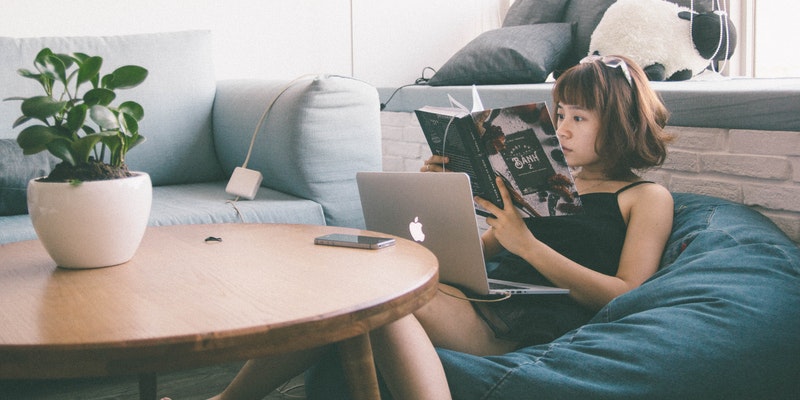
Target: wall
x: 251, y: 37
x: 395, y: 40
x: 384, y: 42
x: 757, y: 168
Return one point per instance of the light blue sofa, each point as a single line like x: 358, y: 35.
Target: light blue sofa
x: 320, y: 132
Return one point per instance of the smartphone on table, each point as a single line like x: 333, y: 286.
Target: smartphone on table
x: 355, y: 241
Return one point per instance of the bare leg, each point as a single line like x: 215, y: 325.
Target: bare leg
x: 404, y: 351
x: 408, y: 362
x: 260, y: 377
x: 452, y: 323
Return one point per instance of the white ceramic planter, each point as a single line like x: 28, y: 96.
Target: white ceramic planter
x: 94, y: 224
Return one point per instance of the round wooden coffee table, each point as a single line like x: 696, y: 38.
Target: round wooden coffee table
x: 184, y: 302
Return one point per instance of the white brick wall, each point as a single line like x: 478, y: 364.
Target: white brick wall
x: 757, y: 168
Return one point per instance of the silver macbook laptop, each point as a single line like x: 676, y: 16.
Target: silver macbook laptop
x: 437, y: 211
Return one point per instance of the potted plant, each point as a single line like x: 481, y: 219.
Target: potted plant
x: 90, y: 211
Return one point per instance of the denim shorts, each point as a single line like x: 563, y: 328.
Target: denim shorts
x: 533, y: 319
x: 529, y: 319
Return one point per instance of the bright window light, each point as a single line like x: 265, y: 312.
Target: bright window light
x: 776, y: 35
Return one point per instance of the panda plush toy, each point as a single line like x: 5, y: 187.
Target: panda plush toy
x: 668, y: 41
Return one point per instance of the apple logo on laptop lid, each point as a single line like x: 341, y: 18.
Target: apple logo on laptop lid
x: 415, y: 228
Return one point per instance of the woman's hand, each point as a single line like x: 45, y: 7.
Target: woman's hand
x: 435, y: 164
x: 507, y: 227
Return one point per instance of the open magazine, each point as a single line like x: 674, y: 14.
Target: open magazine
x: 517, y: 143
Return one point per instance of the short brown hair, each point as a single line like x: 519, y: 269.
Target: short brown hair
x: 632, y: 116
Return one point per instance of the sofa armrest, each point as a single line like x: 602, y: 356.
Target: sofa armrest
x: 319, y: 133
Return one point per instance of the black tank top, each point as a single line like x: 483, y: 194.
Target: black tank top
x: 594, y: 238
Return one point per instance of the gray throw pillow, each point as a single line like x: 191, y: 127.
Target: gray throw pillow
x: 16, y: 170
x: 584, y: 15
x: 529, y: 12
x: 516, y: 54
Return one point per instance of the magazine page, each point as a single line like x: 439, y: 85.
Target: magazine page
x: 522, y: 147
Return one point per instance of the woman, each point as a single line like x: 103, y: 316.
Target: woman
x: 610, y: 125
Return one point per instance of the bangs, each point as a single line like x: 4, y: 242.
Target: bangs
x: 579, y: 86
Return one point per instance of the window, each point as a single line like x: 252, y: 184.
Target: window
x: 768, y: 33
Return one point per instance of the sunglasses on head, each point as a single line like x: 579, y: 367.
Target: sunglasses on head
x: 611, y: 62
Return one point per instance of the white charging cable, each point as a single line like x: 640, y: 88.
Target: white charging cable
x: 245, y: 182
x: 266, y: 112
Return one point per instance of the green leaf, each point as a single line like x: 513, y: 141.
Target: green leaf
x: 26, y: 73
x: 99, y: 96
x: 112, y: 139
x: 53, y: 67
x: 133, y: 109
x: 106, y: 82
x: 125, y: 77
x: 62, y: 150
x: 96, y: 81
x: 116, y: 145
x: 129, y: 124
x: 41, y: 56
x: 63, y: 133
x: 42, y: 107
x: 113, y: 142
x: 82, y: 148
x: 104, y: 117
x: 66, y: 59
x: 80, y: 57
x: 21, y: 120
x: 135, y: 140
x: 46, y: 82
x: 89, y: 69
x: 34, y: 139
x: 66, y: 130
x: 77, y: 117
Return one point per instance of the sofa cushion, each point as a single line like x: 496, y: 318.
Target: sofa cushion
x: 319, y: 133
x: 516, y: 54
x: 200, y: 203
x: 16, y: 170
x: 177, y: 96
x: 14, y: 228
x: 528, y: 12
x: 207, y: 203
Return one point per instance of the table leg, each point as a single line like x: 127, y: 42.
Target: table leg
x: 359, y: 367
x: 148, y: 386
